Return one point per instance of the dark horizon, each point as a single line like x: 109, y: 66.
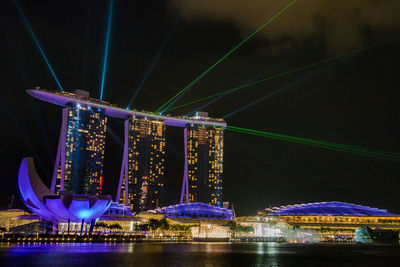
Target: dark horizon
x: 351, y: 101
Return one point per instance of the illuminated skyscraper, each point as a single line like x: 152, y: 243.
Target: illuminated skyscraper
x: 80, y: 152
x: 205, y: 161
x: 204, y: 166
x: 143, y: 164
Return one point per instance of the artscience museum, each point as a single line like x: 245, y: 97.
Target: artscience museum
x: 46, y: 204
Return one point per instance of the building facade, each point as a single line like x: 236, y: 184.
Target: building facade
x: 141, y: 181
x: 334, y: 220
x: 80, y: 155
x: 204, y: 147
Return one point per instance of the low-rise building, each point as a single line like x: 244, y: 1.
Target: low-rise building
x: 334, y: 221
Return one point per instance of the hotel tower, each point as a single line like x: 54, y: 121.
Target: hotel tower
x: 203, y: 163
x: 80, y: 154
x: 141, y: 181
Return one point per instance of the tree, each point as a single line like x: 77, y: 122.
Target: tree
x: 115, y: 226
x: 233, y: 227
x: 154, y: 224
x: 164, y: 224
x: 248, y: 229
x: 100, y: 225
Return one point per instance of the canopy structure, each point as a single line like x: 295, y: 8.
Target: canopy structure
x: 65, y: 98
x: 335, y: 208
x: 196, y: 210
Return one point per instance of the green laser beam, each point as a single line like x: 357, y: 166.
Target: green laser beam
x: 386, y: 157
x: 225, y: 56
x: 321, y: 144
x: 285, y: 139
x: 278, y: 75
x: 317, y: 141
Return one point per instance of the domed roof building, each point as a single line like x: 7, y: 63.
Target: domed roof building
x: 196, y: 210
x: 333, y: 220
x: 332, y: 208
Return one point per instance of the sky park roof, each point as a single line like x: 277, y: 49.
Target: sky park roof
x: 64, y: 98
x: 329, y: 208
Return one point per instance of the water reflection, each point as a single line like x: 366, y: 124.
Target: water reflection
x: 197, y: 254
x: 24, y: 249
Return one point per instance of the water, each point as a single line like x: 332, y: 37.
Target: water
x: 199, y: 254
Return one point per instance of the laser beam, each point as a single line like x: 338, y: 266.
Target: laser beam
x: 313, y: 140
x: 187, y: 87
x: 153, y: 63
x: 285, y: 73
x: 205, y: 105
x: 222, y: 96
x: 321, y: 144
x: 103, y: 76
x: 275, y: 92
x: 10, y: 115
x: 28, y: 26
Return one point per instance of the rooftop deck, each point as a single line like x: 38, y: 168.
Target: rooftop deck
x: 65, y: 98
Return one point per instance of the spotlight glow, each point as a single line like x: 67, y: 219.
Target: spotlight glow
x: 37, y: 43
x: 103, y: 76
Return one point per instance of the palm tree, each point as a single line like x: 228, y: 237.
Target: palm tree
x: 164, y: 224
x: 101, y: 225
x: 115, y: 226
x: 233, y: 227
x: 154, y: 224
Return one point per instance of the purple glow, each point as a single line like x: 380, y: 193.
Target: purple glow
x: 39, y: 199
x: 185, y: 183
x: 80, y: 208
x: 124, y: 167
x: 55, y: 204
x: 196, y: 210
x: 97, y: 209
x: 29, y: 196
x: 121, y: 113
x: 60, y: 157
x: 330, y: 208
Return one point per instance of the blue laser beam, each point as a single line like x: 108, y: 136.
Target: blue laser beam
x: 103, y: 76
x: 38, y: 115
x: 210, y: 102
x: 205, y: 105
x: 246, y: 82
x: 28, y: 26
x: 10, y: 115
x: 275, y: 92
x: 110, y: 131
x: 180, y: 96
x: 153, y: 63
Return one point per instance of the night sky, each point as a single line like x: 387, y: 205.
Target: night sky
x: 352, y: 101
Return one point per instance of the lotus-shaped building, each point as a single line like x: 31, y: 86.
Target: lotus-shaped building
x: 57, y: 208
